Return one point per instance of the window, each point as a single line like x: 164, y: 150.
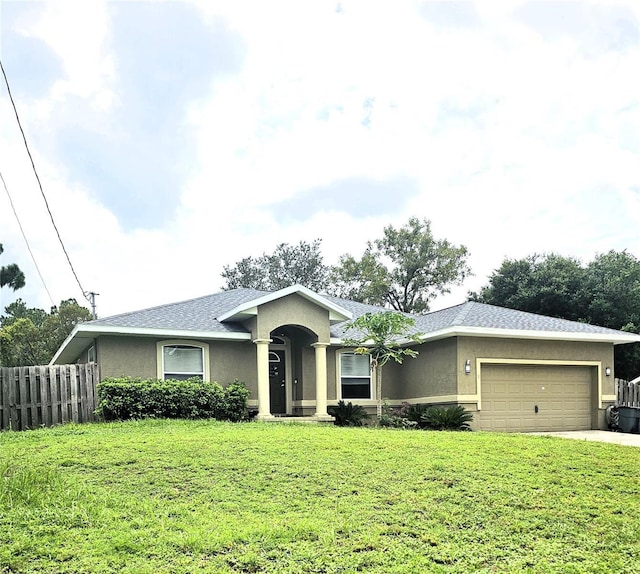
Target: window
x: 182, y: 362
x: 355, y: 376
x: 91, y: 354
x: 274, y: 365
x: 182, y: 359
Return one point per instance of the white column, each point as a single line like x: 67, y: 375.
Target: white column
x: 321, y: 380
x: 262, y: 355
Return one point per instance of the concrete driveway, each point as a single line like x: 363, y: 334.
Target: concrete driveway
x: 625, y: 439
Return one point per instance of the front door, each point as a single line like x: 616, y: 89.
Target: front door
x: 277, y: 383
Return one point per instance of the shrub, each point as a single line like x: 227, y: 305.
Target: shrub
x: 415, y: 412
x: 234, y: 402
x: 397, y: 417
x: 447, y: 418
x: 348, y: 414
x: 126, y: 398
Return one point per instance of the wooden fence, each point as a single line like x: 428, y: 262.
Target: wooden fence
x: 32, y: 397
x: 627, y: 394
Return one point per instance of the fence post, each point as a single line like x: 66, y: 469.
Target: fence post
x: 34, y: 416
x: 73, y: 383
x: 45, y: 396
x: 6, y: 376
x: 94, y: 385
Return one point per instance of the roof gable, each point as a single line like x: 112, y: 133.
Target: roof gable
x: 249, y: 308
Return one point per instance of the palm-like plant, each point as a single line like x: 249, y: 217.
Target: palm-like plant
x: 348, y: 414
x: 383, y: 336
x: 447, y: 418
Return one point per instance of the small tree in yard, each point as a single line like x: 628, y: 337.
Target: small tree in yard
x: 380, y: 336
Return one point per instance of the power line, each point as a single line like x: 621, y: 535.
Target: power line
x: 33, y: 165
x: 4, y: 183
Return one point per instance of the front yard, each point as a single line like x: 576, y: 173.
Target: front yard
x: 202, y: 496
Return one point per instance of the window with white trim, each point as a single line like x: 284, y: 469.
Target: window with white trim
x: 355, y: 376
x: 182, y: 362
x: 91, y: 354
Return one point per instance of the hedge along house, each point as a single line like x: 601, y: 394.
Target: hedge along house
x: 515, y: 371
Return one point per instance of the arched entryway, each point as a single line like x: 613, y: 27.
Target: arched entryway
x: 284, y: 364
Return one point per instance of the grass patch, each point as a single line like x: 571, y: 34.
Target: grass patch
x: 202, y: 496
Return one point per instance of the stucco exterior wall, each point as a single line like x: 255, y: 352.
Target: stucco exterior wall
x: 332, y: 375
x: 126, y: 356
x: 480, y: 347
x: 308, y: 368
x: 393, y: 386
x: 292, y: 310
x: 431, y: 374
x: 137, y: 357
x: 231, y: 360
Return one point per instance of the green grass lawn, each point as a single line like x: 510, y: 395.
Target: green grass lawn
x: 202, y: 496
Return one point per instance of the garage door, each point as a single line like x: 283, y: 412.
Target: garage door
x: 511, y: 395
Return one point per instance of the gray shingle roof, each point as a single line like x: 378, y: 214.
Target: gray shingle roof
x: 480, y: 315
x: 192, y: 315
x: 201, y: 314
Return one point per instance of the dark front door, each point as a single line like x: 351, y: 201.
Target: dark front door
x: 277, y: 385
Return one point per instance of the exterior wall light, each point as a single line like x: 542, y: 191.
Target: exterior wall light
x: 467, y: 367
x: 607, y: 371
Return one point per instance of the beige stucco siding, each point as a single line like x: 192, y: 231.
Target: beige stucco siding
x: 232, y: 360
x: 305, y: 369
x: 479, y: 347
x: 431, y: 374
x: 126, y: 356
x: 392, y: 382
x: 292, y: 310
x: 332, y: 374
x: 137, y: 357
x: 534, y: 349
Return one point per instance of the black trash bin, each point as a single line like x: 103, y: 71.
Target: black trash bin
x: 629, y: 419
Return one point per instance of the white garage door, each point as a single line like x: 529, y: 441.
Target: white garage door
x: 522, y: 398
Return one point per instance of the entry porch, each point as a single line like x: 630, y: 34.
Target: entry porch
x: 292, y: 376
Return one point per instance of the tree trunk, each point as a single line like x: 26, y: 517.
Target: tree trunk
x: 379, y: 391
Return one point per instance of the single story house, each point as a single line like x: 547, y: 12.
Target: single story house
x: 515, y: 371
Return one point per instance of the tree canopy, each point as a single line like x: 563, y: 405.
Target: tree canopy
x: 287, y: 265
x: 11, y: 275
x: 604, y: 292
x: 550, y: 285
x: 381, y: 335
x: 404, y: 270
x: 30, y: 336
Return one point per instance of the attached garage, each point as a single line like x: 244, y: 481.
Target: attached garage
x: 537, y: 397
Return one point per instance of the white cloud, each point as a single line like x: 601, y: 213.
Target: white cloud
x: 77, y: 30
x: 515, y: 142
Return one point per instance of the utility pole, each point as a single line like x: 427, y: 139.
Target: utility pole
x: 91, y: 297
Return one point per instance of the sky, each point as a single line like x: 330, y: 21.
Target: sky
x: 174, y: 138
